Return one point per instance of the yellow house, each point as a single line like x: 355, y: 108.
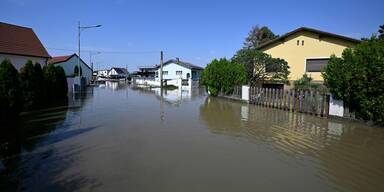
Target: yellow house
x: 307, y: 50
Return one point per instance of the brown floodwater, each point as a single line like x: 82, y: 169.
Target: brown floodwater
x: 118, y: 138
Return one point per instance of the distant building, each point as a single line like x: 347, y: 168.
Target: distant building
x: 20, y: 44
x: 70, y: 65
x: 147, y: 71
x: 118, y: 73
x: 176, y: 69
x: 175, y: 72
x: 103, y: 73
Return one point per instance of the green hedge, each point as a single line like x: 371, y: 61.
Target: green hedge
x: 31, y: 88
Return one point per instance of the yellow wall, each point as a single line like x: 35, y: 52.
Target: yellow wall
x: 314, y: 47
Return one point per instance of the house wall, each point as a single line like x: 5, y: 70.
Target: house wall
x: 112, y: 72
x: 69, y: 68
x: 172, y: 68
x: 102, y: 73
x: 19, y: 61
x: 314, y: 47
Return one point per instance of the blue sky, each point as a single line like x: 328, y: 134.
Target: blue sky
x: 195, y: 31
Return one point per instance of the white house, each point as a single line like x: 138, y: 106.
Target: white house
x: 175, y: 69
x: 20, y: 44
x: 70, y: 65
x: 175, y: 72
x: 117, y: 73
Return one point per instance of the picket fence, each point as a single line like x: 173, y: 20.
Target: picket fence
x: 303, y: 101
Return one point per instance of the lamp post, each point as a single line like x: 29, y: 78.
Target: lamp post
x: 80, y: 29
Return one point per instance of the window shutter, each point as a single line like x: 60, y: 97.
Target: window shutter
x: 316, y: 65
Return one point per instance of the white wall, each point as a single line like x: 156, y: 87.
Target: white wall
x: 69, y: 68
x: 172, y: 68
x: 336, y: 107
x: 102, y: 73
x: 19, y: 61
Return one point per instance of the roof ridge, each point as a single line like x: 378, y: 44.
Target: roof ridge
x: 313, y: 30
x: 15, y: 25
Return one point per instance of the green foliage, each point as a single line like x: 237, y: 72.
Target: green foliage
x: 381, y: 31
x: 222, y: 75
x: 10, y: 92
x: 258, y: 36
x: 41, y: 88
x: 358, y: 79
x: 305, y: 83
x: 262, y: 68
x: 55, y: 81
x: 30, y: 85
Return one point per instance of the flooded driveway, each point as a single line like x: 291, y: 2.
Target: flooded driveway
x: 118, y: 138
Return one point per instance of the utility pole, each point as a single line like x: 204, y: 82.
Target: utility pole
x: 161, y: 69
x: 78, y: 59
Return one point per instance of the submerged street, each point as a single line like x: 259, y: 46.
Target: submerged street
x: 119, y: 137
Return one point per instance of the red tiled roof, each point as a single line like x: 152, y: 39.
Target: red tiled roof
x: 59, y: 59
x: 18, y: 40
x: 64, y: 58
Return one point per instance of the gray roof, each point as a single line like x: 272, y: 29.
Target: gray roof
x: 175, y: 61
x: 184, y: 64
x: 120, y: 70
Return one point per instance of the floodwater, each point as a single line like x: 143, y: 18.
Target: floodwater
x: 119, y: 138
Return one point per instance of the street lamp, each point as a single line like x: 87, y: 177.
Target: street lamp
x: 80, y: 29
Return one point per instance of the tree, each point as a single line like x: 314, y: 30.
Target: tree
x: 10, y: 92
x: 56, y: 82
x: 41, y: 88
x: 222, y: 75
x: 358, y: 79
x: 262, y: 68
x: 258, y: 36
x: 29, y: 85
x: 62, y: 86
x: 381, y: 31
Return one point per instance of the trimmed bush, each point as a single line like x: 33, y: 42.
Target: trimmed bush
x: 56, y: 82
x: 10, y: 92
x: 29, y: 85
x: 41, y: 87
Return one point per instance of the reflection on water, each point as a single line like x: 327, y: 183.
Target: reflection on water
x: 23, y: 148
x: 349, y: 154
x: 116, y: 137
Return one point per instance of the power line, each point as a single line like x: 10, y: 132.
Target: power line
x: 107, y: 52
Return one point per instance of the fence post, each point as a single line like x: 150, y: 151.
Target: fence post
x: 294, y: 100
x: 244, y: 93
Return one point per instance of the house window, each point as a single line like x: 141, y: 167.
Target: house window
x: 298, y: 42
x: 165, y: 72
x: 316, y: 65
x: 302, y: 43
x: 76, y: 71
x: 179, y: 72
